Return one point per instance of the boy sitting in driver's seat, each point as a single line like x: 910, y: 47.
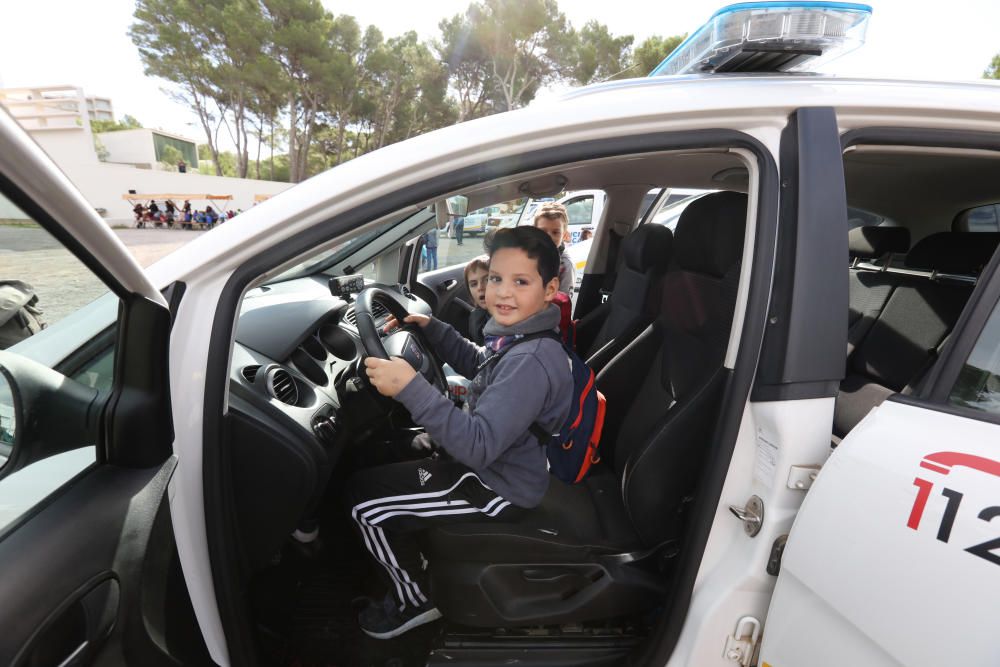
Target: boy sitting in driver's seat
x: 496, y: 468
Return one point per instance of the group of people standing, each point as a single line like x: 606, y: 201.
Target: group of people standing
x: 185, y: 215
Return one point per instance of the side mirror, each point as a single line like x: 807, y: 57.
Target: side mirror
x: 42, y: 413
x: 8, y: 418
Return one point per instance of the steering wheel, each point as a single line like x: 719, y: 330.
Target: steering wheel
x: 408, y: 341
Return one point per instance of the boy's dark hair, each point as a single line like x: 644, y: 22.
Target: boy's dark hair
x: 535, y: 243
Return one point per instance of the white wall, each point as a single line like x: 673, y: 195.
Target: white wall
x: 103, y: 183
x: 129, y: 146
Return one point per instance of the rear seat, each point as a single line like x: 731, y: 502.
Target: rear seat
x: 870, y: 285
x: 922, y: 303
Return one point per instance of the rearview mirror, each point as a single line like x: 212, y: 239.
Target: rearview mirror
x: 458, y: 205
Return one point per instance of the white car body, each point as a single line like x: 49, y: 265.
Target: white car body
x: 842, y: 597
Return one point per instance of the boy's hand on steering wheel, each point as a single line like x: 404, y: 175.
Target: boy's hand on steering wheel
x: 389, y: 377
x: 420, y: 320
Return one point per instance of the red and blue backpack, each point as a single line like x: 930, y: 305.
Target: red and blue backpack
x: 571, y: 450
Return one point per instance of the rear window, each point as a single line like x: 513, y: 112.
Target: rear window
x: 979, y: 219
x: 858, y: 217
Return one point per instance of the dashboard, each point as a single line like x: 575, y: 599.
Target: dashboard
x: 297, y: 346
x: 296, y: 402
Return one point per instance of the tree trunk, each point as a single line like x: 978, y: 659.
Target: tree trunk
x: 293, y: 140
x: 272, y: 146
x: 341, y: 133
x: 260, y: 140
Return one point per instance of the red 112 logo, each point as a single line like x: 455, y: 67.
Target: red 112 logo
x: 943, y: 462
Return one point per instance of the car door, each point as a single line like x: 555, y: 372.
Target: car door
x: 894, y: 557
x: 89, y: 565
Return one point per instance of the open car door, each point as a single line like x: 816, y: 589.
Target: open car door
x: 894, y: 557
x: 89, y: 571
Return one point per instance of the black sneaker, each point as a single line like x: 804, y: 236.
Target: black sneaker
x: 384, y: 620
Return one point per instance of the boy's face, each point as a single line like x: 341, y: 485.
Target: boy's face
x: 554, y: 228
x: 514, y: 290
x: 477, y: 285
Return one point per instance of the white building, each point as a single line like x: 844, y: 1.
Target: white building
x: 58, y: 118
x: 146, y: 149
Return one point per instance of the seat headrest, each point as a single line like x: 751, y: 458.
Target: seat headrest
x: 648, y: 248
x: 964, y: 253
x: 877, y: 241
x: 709, y: 234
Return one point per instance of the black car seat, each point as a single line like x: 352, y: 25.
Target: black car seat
x: 604, y: 332
x: 590, y: 550
x: 870, y: 285
x: 903, y: 343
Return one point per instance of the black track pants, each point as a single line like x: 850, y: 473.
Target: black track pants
x: 391, y: 503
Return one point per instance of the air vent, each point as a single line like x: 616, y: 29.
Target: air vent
x: 250, y: 373
x: 378, y: 311
x: 282, y: 386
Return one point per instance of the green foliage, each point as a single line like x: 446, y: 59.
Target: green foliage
x: 527, y: 43
x: 601, y: 56
x: 297, y: 89
x: 993, y: 71
x: 169, y: 158
x: 226, y: 164
x: 652, y: 51
x: 102, y: 151
x: 126, y: 123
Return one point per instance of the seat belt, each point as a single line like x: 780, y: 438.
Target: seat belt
x: 608, y: 284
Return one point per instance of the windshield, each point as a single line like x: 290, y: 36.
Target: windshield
x: 326, y: 258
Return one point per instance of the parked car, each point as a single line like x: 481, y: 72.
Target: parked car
x: 480, y: 221
x: 799, y: 462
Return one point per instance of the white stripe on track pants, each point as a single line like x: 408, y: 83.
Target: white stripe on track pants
x: 391, y: 503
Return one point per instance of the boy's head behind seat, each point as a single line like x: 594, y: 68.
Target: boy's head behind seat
x: 554, y: 221
x: 476, y: 273
x: 524, y: 274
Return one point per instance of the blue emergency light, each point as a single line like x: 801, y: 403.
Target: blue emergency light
x: 769, y: 37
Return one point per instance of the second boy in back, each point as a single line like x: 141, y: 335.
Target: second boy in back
x: 554, y: 221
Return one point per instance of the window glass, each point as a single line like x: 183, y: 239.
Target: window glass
x: 463, y: 237
x: 979, y: 219
x: 857, y: 217
x: 41, y: 281
x: 978, y: 384
x: 41, y: 285
x: 675, y: 203
x: 580, y: 211
x: 98, y: 373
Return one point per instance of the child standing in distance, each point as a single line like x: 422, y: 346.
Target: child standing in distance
x: 554, y: 221
x: 497, y: 467
x: 476, y: 273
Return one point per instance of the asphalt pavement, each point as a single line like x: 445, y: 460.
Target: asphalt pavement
x: 63, y: 284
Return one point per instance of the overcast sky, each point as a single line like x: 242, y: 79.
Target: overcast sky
x: 56, y: 42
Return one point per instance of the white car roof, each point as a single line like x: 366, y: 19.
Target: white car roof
x: 608, y: 109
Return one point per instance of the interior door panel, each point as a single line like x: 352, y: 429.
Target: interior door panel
x: 454, y: 303
x: 77, y: 595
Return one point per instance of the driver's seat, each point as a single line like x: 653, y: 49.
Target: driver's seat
x: 595, y: 549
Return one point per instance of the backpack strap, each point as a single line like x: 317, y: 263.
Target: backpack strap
x: 536, y: 429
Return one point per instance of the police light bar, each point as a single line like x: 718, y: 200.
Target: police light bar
x: 770, y: 37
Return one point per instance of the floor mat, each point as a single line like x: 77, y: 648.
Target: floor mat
x: 306, y: 609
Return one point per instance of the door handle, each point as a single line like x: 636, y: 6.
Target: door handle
x: 77, y: 656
